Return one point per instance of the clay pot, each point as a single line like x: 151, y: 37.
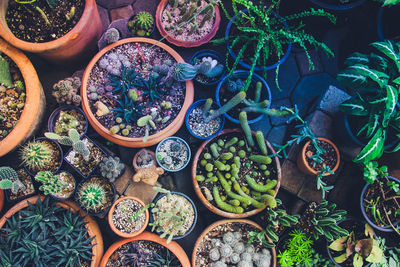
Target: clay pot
x: 115, y: 229
x: 72, y: 46
x: 172, y: 246
x: 93, y: 228
x: 138, y: 141
x: 211, y: 207
x: 184, y: 43
x: 222, y: 222
x: 134, y: 161
x: 35, y: 102
x: 1, y: 199
x: 302, y: 163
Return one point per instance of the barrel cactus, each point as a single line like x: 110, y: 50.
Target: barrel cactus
x: 141, y: 24
x: 184, y: 72
x: 112, y: 35
x: 36, y: 155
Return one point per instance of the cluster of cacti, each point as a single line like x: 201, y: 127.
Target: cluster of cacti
x: 36, y: 155
x: 184, y: 71
x: 5, y: 75
x: 51, y: 183
x: 66, y: 91
x: 111, y: 168
x: 92, y: 195
x: 112, y: 35
x: 65, y: 122
x: 141, y: 24
x: 325, y: 221
x: 210, y: 67
x: 234, y: 101
x: 9, y: 180
x: 232, y: 251
x: 73, y: 139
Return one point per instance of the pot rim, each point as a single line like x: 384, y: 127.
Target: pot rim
x: 174, y: 138
x: 56, y: 114
x: 338, y: 7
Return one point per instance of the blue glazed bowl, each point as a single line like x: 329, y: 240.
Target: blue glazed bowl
x: 243, y: 74
x: 213, y: 54
x: 173, y: 138
x: 193, y: 106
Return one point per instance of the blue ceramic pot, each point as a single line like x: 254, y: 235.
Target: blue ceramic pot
x: 342, y: 7
x: 173, y: 138
x: 213, y: 54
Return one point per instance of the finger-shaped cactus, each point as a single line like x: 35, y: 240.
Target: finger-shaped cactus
x: 260, y: 188
x: 183, y: 72
x: 246, y: 128
x: 261, y: 142
x: 189, y: 13
x: 252, y: 201
x: 231, y: 142
x: 5, y: 75
x: 261, y: 159
x: 257, y: 93
x: 207, y: 106
x: 214, y: 150
x: 234, y: 101
x: 223, y: 205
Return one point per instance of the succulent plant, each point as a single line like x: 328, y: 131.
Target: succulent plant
x: 141, y: 24
x: 124, y: 81
x: 210, y: 67
x: 128, y: 111
x: 36, y: 155
x: 184, y: 72
x: 297, y: 250
x: 66, y: 91
x: 73, y: 139
x: 111, y: 168
x: 91, y: 195
x: 5, y: 75
x: 9, y: 179
x: 112, y: 35
x: 51, y: 183
x: 65, y: 122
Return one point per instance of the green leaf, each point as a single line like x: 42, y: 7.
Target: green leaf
x: 387, y: 49
x: 340, y: 259
x: 338, y: 244
x: 390, y: 2
x: 379, y: 77
x: 357, y: 261
x: 5, y: 184
x: 373, y: 124
x: 351, y: 79
x: 391, y: 95
x: 74, y: 135
x: 354, y: 106
x: 356, y: 58
x: 53, y: 136
x: 397, y: 80
x: 374, y: 148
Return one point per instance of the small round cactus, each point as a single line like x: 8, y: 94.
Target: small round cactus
x: 66, y: 91
x: 91, y: 195
x: 111, y: 168
x: 141, y: 24
x: 214, y: 254
x: 183, y: 72
x: 226, y: 251
x: 112, y: 35
x: 36, y: 155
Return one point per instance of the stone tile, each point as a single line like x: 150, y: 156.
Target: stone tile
x: 276, y: 120
x: 298, y: 207
x: 331, y: 100
x: 309, y: 89
x: 321, y: 124
x: 142, y: 191
x: 263, y: 125
x: 124, y: 181
x: 110, y: 4
x: 304, y: 66
x: 104, y: 16
x: 277, y: 134
x: 287, y: 79
x: 292, y: 177
x: 348, y: 153
x: 293, y: 152
x: 309, y: 192
x: 121, y: 13
x: 146, y: 5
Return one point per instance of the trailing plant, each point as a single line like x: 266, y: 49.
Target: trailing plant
x: 379, y: 71
x: 9, y: 180
x: 51, y: 183
x: 44, y: 234
x: 261, y: 32
x: 297, y: 250
x: 111, y: 168
x: 36, y: 155
x: 363, y: 249
x: 73, y: 139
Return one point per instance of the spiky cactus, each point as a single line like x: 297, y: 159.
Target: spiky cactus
x: 5, y: 75
x: 111, y: 168
x: 237, y: 99
x: 184, y: 72
x: 9, y: 179
x: 51, y: 183
x: 73, y: 139
x: 66, y: 91
x: 91, y: 195
x: 36, y: 155
x: 141, y: 24
x: 112, y: 35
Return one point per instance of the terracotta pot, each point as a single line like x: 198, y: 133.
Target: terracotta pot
x: 134, y: 161
x: 129, y: 141
x: 115, y: 229
x: 206, y: 202
x: 183, y: 43
x: 1, y: 199
x: 93, y: 228
x: 35, y: 102
x: 72, y: 46
x: 302, y: 163
x: 147, y: 236
x: 222, y: 222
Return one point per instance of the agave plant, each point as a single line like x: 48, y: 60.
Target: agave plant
x: 380, y: 72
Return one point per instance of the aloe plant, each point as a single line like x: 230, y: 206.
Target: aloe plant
x: 380, y: 72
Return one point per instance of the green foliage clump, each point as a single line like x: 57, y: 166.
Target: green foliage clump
x: 9, y: 179
x: 297, y: 250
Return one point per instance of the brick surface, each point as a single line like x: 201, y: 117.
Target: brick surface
x: 277, y: 134
x: 110, y: 4
x: 304, y: 66
x: 321, y: 124
x: 146, y: 5
x: 277, y: 120
x: 263, y: 125
x: 331, y: 100
x: 104, y: 16
x: 308, y: 192
x: 121, y: 13
x: 292, y: 177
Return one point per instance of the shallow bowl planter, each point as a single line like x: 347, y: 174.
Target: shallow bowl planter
x: 51, y: 123
x: 191, y: 108
x: 371, y: 222
x: 172, y: 128
x: 177, y: 139
x: 207, y: 203
x: 35, y: 102
x: 244, y: 64
x: 337, y: 7
x: 72, y: 46
x: 119, y: 232
x: 194, y: 210
x: 172, y: 246
x: 177, y: 42
x: 214, y: 55
x: 92, y: 226
x: 222, y: 222
x: 242, y: 74
x: 303, y: 165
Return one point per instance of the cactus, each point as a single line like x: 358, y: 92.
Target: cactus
x: 246, y: 128
x: 234, y: 101
x: 183, y: 72
x: 9, y: 180
x: 51, y: 184
x: 173, y: 3
x: 261, y: 142
x: 204, y: 67
x: 36, y: 155
x: 189, y: 13
x: 111, y: 168
x: 112, y: 35
x: 5, y: 75
x: 73, y: 139
x: 92, y: 195
x: 141, y: 24
x: 207, y: 106
x: 66, y: 91
x: 209, y: 14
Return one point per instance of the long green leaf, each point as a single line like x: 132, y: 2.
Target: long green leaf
x: 374, y: 148
x: 379, y: 77
x: 373, y: 124
x: 356, y: 58
x: 351, y: 79
x: 387, y: 48
x: 391, y: 95
x: 354, y: 106
x: 397, y: 148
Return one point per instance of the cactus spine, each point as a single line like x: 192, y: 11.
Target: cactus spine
x: 9, y: 179
x: 246, y: 128
x: 183, y: 72
x: 36, y: 155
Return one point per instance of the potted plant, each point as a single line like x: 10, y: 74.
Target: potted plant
x: 66, y: 91
x: 67, y: 117
x: 234, y: 177
x: 159, y: 97
x: 217, y: 63
x: 41, y: 154
x: 95, y: 195
x: 22, y: 73
x: 359, y: 248
x: 188, y: 23
x: 173, y: 154
x: 338, y: 5
x: 373, y: 117
x: 85, y: 232
x: 258, y: 36
x: 132, y: 250
x: 65, y: 33
x: 18, y: 181
x: 128, y: 216
x: 145, y: 165
x: 112, y: 168
x: 60, y: 186
x: 182, y: 209
x: 386, y: 14
x: 196, y: 123
x: 228, y: 241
